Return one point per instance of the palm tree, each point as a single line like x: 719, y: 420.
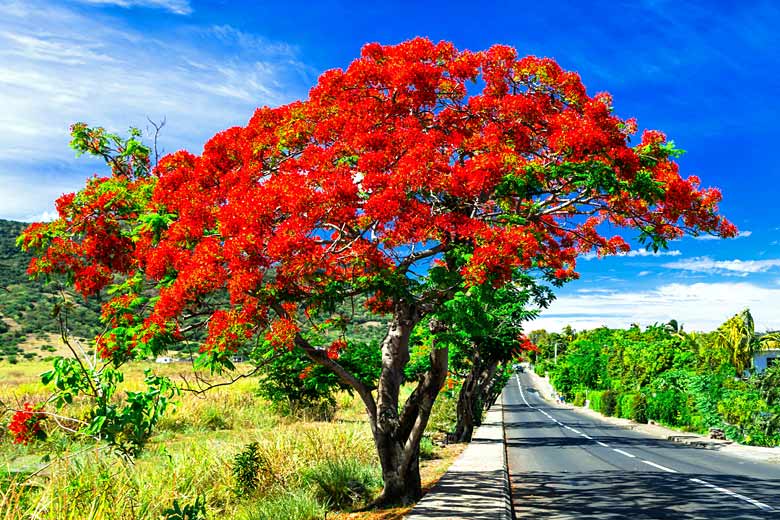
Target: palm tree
x: 738, y: 336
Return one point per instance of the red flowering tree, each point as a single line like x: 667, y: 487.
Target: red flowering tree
x: 418, y: 170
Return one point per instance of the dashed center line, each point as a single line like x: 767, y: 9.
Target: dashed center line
x: 627, y: 454
x: 662, y: 468
x: 749, y: 500
x: 602, y: 444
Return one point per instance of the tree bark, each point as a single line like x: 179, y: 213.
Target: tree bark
x: 474, y: 398
x: 397, y: 436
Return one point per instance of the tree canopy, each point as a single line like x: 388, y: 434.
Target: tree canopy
x: 417, y: 171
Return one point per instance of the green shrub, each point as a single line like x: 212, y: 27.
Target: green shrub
x: 594, y: 398
x: 426, y: 448
x: 246, y: 468
x: 295, y: 505
x: 193, y: 511
x: 638, y: 412
x: 343, y: 483
x: 579, y: 398
x: 624, y: 405
x: 609, y: 401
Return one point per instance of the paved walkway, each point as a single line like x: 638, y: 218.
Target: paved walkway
x: 476, y: 487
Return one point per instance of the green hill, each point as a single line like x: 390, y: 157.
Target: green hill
x: 27, y: 327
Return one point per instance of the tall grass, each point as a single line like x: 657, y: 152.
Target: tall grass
x: 304, y: 466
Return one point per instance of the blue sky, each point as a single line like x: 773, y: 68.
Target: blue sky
x: 705, y: 72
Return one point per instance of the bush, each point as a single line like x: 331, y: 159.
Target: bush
x: 579, y: 398
x: 426, y: 448
x: 594, y: 397
x: 625, y: 406
x: 609, y: 400
x: 343, y: 483
x: 246, y: 467
x: 638, y: 412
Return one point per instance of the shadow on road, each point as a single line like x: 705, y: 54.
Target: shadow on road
x: 612, y: 495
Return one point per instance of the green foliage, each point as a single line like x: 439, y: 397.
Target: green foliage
x: 426, y: 448
x: 343, y: 483
x: 684, y: 380
x: 609, y: 402
x: 293, y: 382
x: 246, y: 466
x: 192, y: 511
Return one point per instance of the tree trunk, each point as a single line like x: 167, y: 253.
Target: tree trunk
x: 474, y: 398
x: 464, y: 426
x: 397, y: 436
x: 488, y: 391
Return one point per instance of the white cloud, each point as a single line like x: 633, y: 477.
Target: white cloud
x: 643, y: 273
x: 174, y: 6
x: 59, y: 66
x: 705, y: 264
x: 635, y: 253
x: 699, y: 306
x: 741, y: 234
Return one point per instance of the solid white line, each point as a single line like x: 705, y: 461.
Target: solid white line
x: 586, y: 436
x: 624, y: 453
x: 602, y: 444
x: 664, y: 468
x: 517, y: 378
x: 756, y: 503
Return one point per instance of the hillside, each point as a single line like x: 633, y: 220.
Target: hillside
x: 27, y: 328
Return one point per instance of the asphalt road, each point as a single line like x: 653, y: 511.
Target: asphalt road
x: 566, y: 465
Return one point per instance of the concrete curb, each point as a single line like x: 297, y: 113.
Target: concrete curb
x: 476, y: 486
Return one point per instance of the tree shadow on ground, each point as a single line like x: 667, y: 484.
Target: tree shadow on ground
x: 613, y: 495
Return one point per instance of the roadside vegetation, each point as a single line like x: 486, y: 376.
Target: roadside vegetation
x: 229, y: 453
x: 687, y: 380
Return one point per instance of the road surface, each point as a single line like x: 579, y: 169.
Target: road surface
x: 566, y: 465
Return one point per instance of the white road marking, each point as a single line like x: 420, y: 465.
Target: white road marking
x: 586, y: 436
x: 749, y: 500
x: 624, y: 453
x: 664, y: 468
x: 760, y: 505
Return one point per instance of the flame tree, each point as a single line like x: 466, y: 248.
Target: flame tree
x: 418, y: 170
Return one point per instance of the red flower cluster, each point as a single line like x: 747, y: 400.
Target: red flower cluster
x: 414, y: 150
x: 25, y: 424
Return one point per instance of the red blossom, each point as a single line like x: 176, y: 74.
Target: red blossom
x: 25, y: 425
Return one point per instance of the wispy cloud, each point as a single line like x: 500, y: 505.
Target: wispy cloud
x: 635, y: 253
x: 96, y: 69
x: 741, y: 234
x: 700, y: 306
x: 174, y: 6
x: 705, y: 264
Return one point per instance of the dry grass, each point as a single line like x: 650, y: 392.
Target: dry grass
x: 192, y: 455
